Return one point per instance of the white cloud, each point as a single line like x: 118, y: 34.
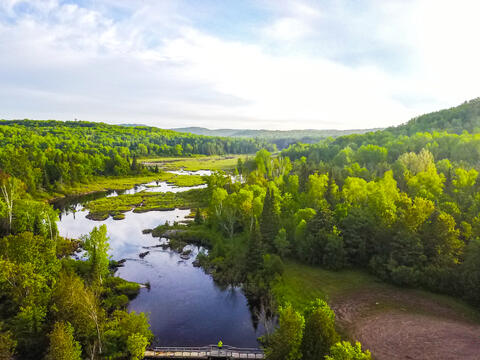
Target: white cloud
x: 288, y: 29
x: 154, y: 65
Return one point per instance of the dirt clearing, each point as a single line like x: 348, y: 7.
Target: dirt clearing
x: 403, y: 324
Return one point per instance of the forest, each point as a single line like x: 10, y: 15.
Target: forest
x: 47, y: 155
x: 403, y: 207
x: 401, y: 203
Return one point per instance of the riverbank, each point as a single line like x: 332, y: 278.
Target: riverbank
x: 393, y: 322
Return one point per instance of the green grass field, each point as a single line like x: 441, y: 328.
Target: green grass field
x: 302, y: 283
x: 225, y: 162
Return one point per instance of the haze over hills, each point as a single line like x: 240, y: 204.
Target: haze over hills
x: 297, y: 134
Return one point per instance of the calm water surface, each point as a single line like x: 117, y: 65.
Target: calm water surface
x: 184, y: 304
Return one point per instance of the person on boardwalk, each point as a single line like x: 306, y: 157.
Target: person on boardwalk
x: 220, y: 344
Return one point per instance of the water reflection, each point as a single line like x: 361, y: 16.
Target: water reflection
x: 184, y: 304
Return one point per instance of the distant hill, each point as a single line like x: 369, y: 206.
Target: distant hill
x: 133, y: 125
x: 454, y: 120
x: 271, y: 133
x: 281, y: 138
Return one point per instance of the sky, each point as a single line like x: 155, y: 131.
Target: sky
x: 272, y: 64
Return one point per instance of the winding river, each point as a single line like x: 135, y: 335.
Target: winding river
x: 184, y: 305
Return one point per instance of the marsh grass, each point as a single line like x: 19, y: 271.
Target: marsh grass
x: 145, y: 201
x: 195, y: 163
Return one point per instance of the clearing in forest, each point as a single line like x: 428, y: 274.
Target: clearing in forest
x: 394, y: 323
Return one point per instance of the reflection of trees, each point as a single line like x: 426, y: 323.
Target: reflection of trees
x: 262, y: 312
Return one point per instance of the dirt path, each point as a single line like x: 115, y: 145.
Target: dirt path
x: 404, y: 324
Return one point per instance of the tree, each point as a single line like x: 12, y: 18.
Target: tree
x: 11, y: 189
x: 263, y: 161
x: 127, y: 334
x: 78, y: 305
x: 62, y: 344
x: 427, y: 184
x: 345, y: 351
x: 441, y: 239
x: 317, y: 188
x: 254, y: 260
x: 370, y: 155
x: 334, y: 251
x: 134, y: 167
x: 470, y: 271
x: 136, y: 345
x: 282, y: 246
x: 7, y: 345
x: 269, y: 220
x: 96, y: 247
x: 319, y: 334
x: 285, y: 342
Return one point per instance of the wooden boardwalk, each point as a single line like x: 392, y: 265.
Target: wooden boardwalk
x: 204, y: 352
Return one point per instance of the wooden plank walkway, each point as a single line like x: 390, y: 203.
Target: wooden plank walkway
x: 203, y: 352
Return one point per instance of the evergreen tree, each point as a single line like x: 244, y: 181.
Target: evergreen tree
x: 254, y: 259
x: 269, y: 221
x: 134, y: 165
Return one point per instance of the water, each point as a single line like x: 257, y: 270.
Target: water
x: 185, y: 306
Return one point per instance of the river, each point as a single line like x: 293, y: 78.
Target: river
x: 184, y: 305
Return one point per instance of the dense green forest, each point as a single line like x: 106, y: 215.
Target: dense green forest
x: 46, y: 155
x: 402, y: 203
x: 404, y: 207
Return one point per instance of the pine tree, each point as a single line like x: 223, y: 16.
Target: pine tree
x: 332, y: 190
x: 134, y: 166
x: 254, y: 258
x: 269, y: 221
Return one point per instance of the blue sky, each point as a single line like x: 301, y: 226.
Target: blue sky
x: 239, y: 64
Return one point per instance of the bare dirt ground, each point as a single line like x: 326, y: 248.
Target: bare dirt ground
x: 404, y: 324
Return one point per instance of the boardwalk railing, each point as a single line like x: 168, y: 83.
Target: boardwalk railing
x: 203, y: 352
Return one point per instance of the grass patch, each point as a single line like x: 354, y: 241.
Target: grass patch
x: 302, y: 283
x: 186, y: 180
x: 225, y: 163
x: 190, y: 233
x: 145, y: 201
